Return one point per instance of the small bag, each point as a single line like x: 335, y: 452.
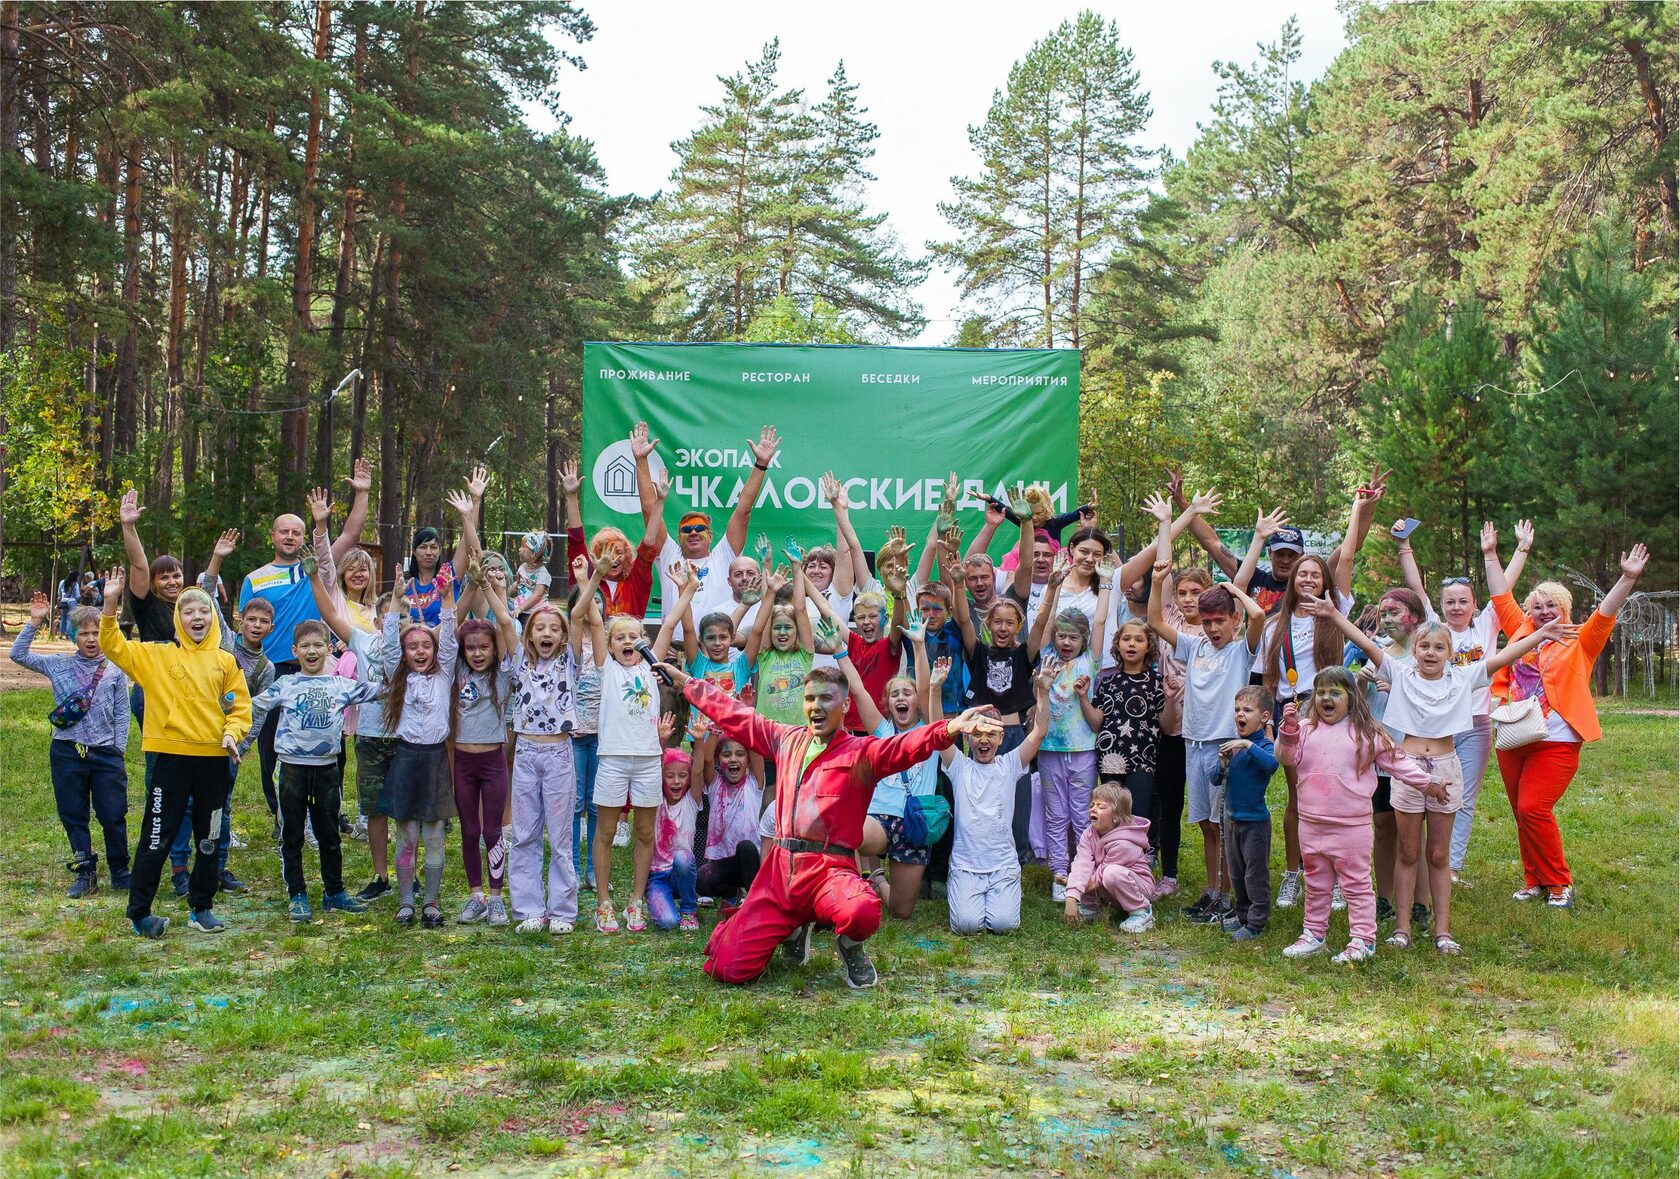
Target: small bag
x: 70, y: 711
x: 926, y: 819
x: 1518, y: 723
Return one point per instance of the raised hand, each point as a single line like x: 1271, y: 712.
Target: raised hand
x: 977, y: 720
x: 769, y: 442
x: 462, y: 503
x: 1525, y: 535
x: 1159, y: 571
x: 1291, y: 712
x: 952, y: 544
x: 226, y: 543
x: 915, y: 627
x: 896, y: 549
x: 361, y: 476
x: 677, y: 574
x: 994, y: 513
x: 1060, y: 569
x: 667, y: 727
x: 1175, y: 486
x: 761, y: 549
x: 1366, y: 495
x: 39, y: 608
x: 1082, y: 686
x: 640, y: 444
x: 1206, y: 503
x: 777, y: 580
x: 478, y: 481
x: 835, y: 493
x: 113, y: 588
x: 895, y: 576
x: 1088, y: 511
x: 794, y: 551
x: 570, y: 481
x: 1267, y: 523
x: 1633, y: 561
x: 1319, y: 607
x: 662, y: 487
x: 1158, y: 508
x: 1559, y: 631
x: 128, y: 508
x: 1045, y: 675
x: 1107, y: 566
x: 753, y: 591
x: 827, y: 636
x: 1020, y: 504
x: 940, y: 669
x: 320, y: 506
x: 1490, y: 538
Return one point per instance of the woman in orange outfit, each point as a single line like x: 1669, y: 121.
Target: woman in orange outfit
x: 1560, y: 674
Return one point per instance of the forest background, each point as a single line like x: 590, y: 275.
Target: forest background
x: 1452, y: 255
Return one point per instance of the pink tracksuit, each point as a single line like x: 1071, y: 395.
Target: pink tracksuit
x: 1114, y: 867
x: 1334, y: 797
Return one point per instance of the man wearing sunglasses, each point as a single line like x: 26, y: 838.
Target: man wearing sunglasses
x: 693, y: 540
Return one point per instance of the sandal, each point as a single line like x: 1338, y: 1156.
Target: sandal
x: 1400, y: 941
x: 405, y: 915
x: 1445, y: 944
x: 431, y: 916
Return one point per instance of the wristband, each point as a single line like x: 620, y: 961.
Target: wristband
x: 842, y: 653
x: 761, y: 466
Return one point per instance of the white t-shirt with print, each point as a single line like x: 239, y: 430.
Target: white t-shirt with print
x: 1301, y: 640
x: 714, y: 594
x: 629, y: 721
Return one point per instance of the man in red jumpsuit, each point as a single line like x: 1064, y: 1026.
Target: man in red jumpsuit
x: 825, y: 777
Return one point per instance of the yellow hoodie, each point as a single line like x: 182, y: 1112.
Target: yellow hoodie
x: 185, y: 684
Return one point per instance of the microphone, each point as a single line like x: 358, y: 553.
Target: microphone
x: 645, y: 650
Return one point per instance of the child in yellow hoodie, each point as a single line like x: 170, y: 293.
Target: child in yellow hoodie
x: 186, y: 684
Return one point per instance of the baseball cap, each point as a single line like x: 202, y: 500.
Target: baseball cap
x: 1286, y: 540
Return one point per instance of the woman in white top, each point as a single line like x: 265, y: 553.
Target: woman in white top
x: 1430, y: 701
x: 1475, y: 635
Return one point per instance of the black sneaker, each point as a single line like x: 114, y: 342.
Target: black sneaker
x: 85, y: 885
x: 1420, y: 915
x: 345, y: 826
x: 376, y: 888
x: 1214, y: 914
x: 181, y: 882
x: 1385, y: 909
x: 120, y: 880
x: 1198, y: 907
x: 796, y: 948
x: 860, y: 971
x: 231, y: 883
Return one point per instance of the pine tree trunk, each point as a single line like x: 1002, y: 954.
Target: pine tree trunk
x: 296, y: 423
x: 341, y: 295
x: 126, y: 423
x: 10, y: 65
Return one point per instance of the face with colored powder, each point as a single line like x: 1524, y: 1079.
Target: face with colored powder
x: 1331, y: 703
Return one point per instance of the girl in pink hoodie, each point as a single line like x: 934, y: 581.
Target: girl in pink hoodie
x: 1112, y: 863
x: 1336, y: 754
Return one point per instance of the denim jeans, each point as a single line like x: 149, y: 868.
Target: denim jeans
x: 92, y: 779
x: 671, y: 893
x: 584, y: 760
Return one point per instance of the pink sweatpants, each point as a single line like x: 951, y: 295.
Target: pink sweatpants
x: 1129, y: 890
x: 1335, y: 854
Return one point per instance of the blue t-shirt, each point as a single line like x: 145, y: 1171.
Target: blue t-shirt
x: 730, y: 677
x: 286, y: 589
x: 946, y: 643
x: 921, y: 778
x: 1246, y: 779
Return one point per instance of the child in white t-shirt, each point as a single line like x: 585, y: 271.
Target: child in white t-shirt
x: 984, y: 887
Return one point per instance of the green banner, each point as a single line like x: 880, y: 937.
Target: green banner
x: 891, y: 423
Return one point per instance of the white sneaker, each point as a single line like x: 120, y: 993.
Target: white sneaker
x: 234, y: 842
x: 1337, y: 901
x: 498, y: 911
x: 1304, y: 946
x: 559, y: 927
x: 1528, y: 893
x: 1058, y: 891
x: 532, y: 925
x: 1355, y: 952
x: 1140, y: 922
x: 1289, y: 892
x: 621, y: 837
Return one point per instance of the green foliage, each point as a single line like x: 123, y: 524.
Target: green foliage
x: 1429, y: 415
x: 782, y: 322
x: 1595, y: 443
x: 1060, y: 177
x: 769, y: 204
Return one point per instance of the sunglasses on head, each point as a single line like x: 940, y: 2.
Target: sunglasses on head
x: 686, y: 529
x: 1446, y: 581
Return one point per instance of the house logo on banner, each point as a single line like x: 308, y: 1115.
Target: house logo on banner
x: 614, y: 477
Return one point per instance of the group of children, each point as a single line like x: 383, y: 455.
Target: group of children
x: 1108, y: 694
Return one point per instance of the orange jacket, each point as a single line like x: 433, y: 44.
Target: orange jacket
x: 1565, y: 668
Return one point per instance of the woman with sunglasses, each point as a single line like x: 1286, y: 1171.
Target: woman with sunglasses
x: 1475, y: 636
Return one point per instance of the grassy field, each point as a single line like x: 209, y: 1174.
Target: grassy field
x: 354, y: 1048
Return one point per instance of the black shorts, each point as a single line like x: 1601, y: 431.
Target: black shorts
x: 1380, y: 804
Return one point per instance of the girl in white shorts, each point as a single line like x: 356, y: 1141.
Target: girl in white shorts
x: 1429, y: 702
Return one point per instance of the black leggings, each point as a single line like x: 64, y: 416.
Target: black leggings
x: 732, y: 875
x: 1166, y: 823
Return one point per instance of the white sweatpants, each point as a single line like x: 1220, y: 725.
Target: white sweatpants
x: 544, y: 789
x: 984, y: 902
